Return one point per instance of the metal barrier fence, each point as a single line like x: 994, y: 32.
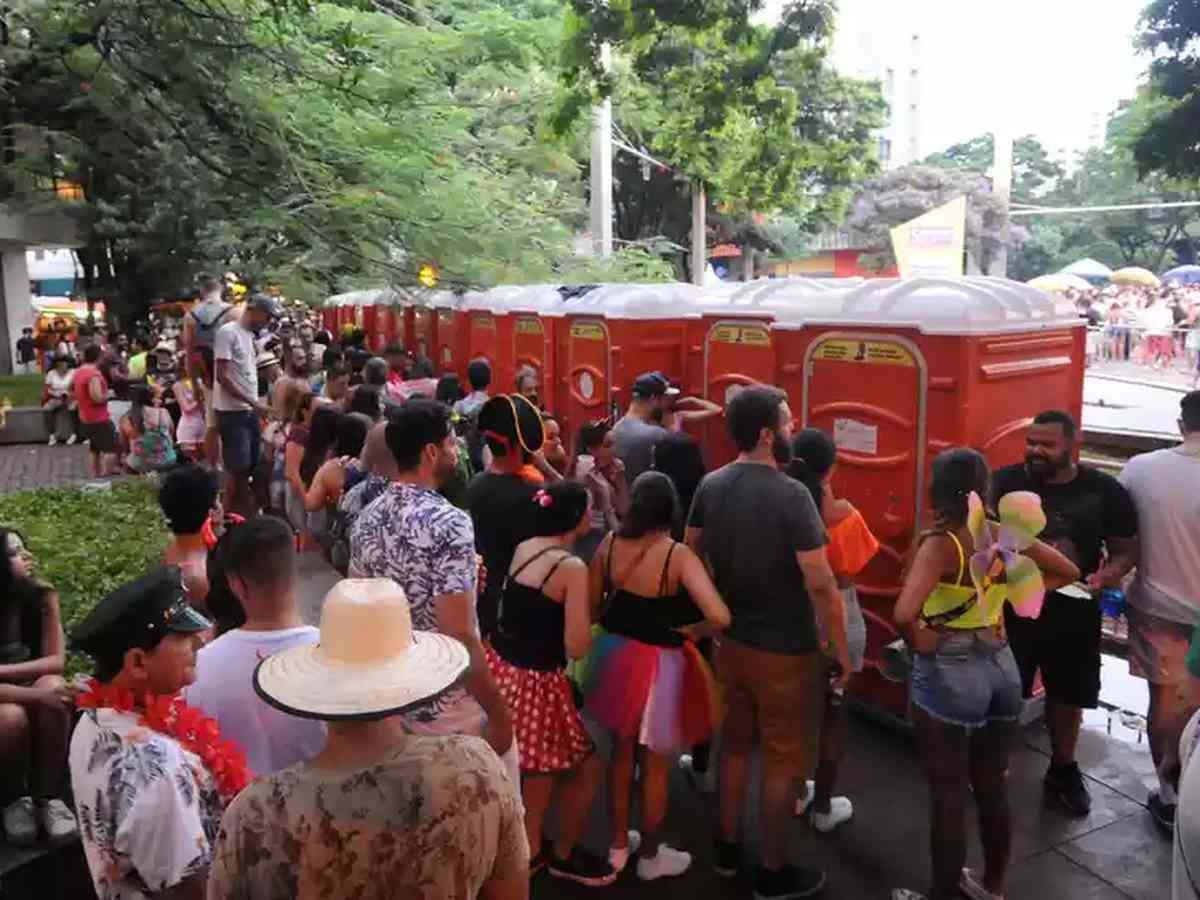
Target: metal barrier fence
x: 1133, y: 343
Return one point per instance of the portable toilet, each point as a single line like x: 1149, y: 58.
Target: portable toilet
x: 447, y: 354
x: 527, y: 330
x: 616, y: 332
x: 898, y: 370
x: 731, y: 338
x: 476, y: 322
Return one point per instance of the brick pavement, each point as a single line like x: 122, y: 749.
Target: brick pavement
x: 26, y: 466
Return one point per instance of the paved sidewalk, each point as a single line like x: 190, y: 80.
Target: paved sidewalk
x: 1178, y: 376
x: 26, y: 466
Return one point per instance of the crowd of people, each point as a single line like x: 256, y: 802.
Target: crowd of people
x: 1157, y: 327
x: 511, y: 592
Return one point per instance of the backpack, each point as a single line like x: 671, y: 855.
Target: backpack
x: 467, y: 428
x: 207, y: 320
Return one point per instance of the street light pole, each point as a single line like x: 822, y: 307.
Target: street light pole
x: 602, y: 177
x: 698, y: 234
x: 1002, y: 176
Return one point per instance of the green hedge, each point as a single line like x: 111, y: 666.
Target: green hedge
x: 21, y: 390
x: 88, y: 542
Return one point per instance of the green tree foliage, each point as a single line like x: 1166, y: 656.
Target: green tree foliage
x: 1034, y: 172
x: 320, y: 146
x: 755, y: 113
x: 1166, y: 140
x: 903, y: 194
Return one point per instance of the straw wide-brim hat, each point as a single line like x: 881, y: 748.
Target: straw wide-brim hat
x: 369, y: 663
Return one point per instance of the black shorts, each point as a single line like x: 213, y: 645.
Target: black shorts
x: 1064, y: 643
x: 101, y: 436
x: 241, y: 440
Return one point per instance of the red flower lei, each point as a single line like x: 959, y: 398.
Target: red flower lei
x: 189, y: 726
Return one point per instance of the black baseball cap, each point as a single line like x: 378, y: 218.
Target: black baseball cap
x: 139, y: 614
x: 653, y: 384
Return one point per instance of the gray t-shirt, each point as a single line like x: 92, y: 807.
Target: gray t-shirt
x: 235, y: 343
x: 755, y: 520
x: 634, y: 441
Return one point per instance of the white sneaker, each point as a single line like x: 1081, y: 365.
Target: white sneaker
x: 53, y: 440
x: 58, y: 822
x: 666, y: 863
x: 972, y: 887
x: 810, y: 790
x: 19, y: 823
x: 906, y: 894
x: 840, y: 810
x: 71, y: 440
x: 618, y: 857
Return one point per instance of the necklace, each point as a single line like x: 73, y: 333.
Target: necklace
x: 188, y: 725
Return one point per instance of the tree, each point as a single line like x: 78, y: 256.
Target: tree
x: 903, y: 194
x: 1034, y: 172
x: 1166, y: 140
x: 754, y: 113
x: 319, y: 146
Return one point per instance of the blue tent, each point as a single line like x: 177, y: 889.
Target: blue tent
x: 1183, y: 275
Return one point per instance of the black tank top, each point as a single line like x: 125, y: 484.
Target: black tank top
x: 530, y: 632
x: 651, y: 620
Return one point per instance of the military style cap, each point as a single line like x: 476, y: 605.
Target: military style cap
x: 139, y: 614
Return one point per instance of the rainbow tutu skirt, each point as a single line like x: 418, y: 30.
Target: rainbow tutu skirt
x: 665, y: 697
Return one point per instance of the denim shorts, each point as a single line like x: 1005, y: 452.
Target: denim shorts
x: 241, y: 440
x: 970, y: 680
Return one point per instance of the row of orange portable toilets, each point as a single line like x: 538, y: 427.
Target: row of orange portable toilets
x: 895, y: 370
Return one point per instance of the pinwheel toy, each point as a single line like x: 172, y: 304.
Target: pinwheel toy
x: 999, y: 545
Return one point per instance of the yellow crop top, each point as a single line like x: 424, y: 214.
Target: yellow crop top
x: 957, y: 605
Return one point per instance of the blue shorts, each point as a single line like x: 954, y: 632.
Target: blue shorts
x: 970, y: 680
x: 241, y: 440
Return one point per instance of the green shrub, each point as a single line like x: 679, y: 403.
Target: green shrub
x: 21, y: 390
x: 88, y: 542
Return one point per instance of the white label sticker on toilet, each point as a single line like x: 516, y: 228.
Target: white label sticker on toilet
x: 850, y: 434
x: 587, y: 386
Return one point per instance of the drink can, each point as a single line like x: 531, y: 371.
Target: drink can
x: 1112, y: 602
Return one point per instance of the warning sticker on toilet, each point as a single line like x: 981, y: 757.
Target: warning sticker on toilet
x: 528, y: 325
x: 850, y: 434
x: 879, y: 353
x: 753, y: 335
x: 587, y: 331
x: 483, y: 321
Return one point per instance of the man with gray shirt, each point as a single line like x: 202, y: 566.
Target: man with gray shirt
x: 764, y: 541
x: 636, y: 433
x: 236, y: 403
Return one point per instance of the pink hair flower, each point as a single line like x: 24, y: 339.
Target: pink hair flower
x: 543, y: 499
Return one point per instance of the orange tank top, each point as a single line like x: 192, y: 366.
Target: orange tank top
x: 851, y: 545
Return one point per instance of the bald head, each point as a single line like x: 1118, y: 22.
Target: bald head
x: 377, y: 457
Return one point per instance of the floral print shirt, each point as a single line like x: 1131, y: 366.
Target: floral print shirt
x: 148, y: 810
x: 436, y: 821
x: 427, y: 546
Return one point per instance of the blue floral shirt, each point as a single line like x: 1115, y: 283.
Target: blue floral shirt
x: 425, y: 544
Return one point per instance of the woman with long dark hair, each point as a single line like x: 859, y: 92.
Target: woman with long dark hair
x: 645, y: 681
x: 35, y: 702
x: 678, y: 456
x: 545, y: 618
x: 341, y: 469
x: 851, y: 546
x: 965, y: 687
x: 148, y: 430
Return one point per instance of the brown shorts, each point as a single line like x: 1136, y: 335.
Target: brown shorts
x: 773, y: 701
x: 1157, y: 647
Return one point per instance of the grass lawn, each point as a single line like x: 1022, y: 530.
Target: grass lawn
x: 87, y: 543
x: 21, y: 390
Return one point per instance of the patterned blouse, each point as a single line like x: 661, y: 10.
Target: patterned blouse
x: 436, y: 821
x: 148, y: 809
x: 427, y: 546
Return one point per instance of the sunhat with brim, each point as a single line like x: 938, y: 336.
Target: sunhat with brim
x: 369, y: 663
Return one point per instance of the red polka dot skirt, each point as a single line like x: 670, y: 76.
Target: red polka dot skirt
x: 550, y: 734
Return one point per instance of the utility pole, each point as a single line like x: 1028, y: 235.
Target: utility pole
x: 1002, y: 177
x: 602, y: 163
x: 698, y: 234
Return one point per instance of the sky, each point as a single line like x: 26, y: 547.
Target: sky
x: 1042, y: 67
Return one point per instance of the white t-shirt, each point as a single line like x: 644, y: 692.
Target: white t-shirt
x: 1165, y: 487
x: 59, y: 386
x: 235, y: 343
x: 1158, y: 320
x: 224, y: 689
